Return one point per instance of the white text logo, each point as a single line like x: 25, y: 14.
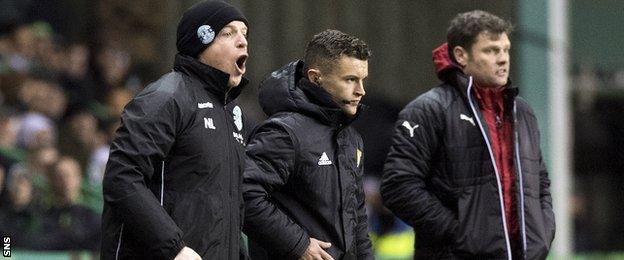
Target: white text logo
x: 6, y: 246
x: 238, y: 137
x: 208, y: 123
x: 205, y: 105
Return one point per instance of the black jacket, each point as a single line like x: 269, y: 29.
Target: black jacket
x: 304, y: 174
x: 184, y: 129
x: 440, y: 177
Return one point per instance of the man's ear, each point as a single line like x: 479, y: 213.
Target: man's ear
x: 314, y: 75
x: 461, y: 55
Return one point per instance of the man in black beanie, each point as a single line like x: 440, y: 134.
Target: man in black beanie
x: 172, y: 187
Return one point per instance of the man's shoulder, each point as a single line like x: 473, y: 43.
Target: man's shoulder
x: 522, y: 104
x: 353, y: 134
x: 171, y: 87
x: 297, y: 125
x: 280, y: 121
x: 167, y: 86
x: 438, y: 98
x: 523, y: 107
x: 293, y: 120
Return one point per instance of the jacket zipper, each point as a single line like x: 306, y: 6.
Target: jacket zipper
x: 227, y: 159
x: 498, y: 184
x: 162, y: 184
x: 119, y: 242
x: 520, y: 177
x: 225, y: 98
x: 343, y: 196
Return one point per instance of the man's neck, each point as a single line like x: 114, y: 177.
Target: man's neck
x: 494, y: 88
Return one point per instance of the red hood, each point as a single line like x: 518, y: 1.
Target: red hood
x: 443, y: 63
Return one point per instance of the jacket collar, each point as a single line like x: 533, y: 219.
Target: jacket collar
x: 214, y: 81
x: 330, y: 112
x: 460, y: 81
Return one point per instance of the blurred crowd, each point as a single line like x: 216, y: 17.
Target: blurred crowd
x: 60, y: 104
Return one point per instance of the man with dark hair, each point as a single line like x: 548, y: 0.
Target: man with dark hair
x: 303, y: 180
x: 172, y: 187
x: 465, y: 168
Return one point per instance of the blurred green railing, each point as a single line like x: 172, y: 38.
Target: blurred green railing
x: 52, y: 255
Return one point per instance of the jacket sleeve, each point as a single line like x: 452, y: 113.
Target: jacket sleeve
x: 146, y: 134
x: 407, y: 170
x: 546, y: 202
x: 271, y: 160
x: 363, y: 242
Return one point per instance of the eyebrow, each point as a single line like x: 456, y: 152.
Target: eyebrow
x: 354, y: 76
x: 244, y: 29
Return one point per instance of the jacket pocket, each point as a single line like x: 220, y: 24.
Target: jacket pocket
x: 480, y: 232
x: 537, y: 237
x: 200, y: 216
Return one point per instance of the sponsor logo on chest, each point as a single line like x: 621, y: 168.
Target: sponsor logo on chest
x: 324, y: 160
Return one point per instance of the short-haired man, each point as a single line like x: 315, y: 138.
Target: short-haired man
x: 465, y: 167
x: 303, y: 181
x: 172, y: 187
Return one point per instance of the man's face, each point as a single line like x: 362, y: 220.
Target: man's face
x: 488, y: 60
x: 345, y: 82
x: 228, y: 52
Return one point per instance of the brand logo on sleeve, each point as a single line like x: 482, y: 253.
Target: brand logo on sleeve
x: 467, y: 118
x: 410, y: 128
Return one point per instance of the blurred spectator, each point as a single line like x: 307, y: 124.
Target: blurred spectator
x: 37, y: 164
x: 48, y: 52
x: 113, y: 66
x: 2, y: 186
x: 84, y: 141
x: 77, y: 80
x: 24, y: 48
x: 117, y: 100
x: 6, y: 46
x: 45, y: 104
x: 9, y: 152
x: 98, y: 159
x: 73, y: 226
x: 36, y: 131
x: 20, y: 217
x: 65, y: 180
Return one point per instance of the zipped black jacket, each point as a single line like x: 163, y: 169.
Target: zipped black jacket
x: 440, y: 177
x: 304, y: 173
x: 173, y: 178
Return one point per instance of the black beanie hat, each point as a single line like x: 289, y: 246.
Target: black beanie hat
x: 201, y: 23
